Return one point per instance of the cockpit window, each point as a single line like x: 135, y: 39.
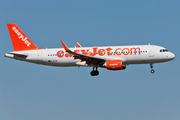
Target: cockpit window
x: 163, y: 50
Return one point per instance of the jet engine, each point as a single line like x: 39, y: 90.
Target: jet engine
x: 114, y: 65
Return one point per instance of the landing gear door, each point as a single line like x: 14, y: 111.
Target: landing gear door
x: 151, y: 51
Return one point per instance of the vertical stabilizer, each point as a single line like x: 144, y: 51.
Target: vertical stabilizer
x: 19, y: 40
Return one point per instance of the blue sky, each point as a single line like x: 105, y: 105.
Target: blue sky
x: 30, y: 91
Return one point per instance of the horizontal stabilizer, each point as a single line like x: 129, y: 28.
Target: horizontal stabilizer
x: 12, y: 55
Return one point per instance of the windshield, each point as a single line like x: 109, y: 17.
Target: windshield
x: 163, y: 50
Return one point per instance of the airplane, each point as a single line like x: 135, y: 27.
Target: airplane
x: 109, y: 57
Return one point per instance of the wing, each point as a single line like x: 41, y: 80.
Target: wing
x: 90, y: 60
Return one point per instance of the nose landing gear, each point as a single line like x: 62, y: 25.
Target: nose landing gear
x: 94, y: 72
x: 152, y: 71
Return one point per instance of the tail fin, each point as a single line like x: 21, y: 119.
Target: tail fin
x: 19, y: 40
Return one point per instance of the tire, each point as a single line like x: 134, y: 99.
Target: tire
x: 152, y: 71
x: 92, y: 73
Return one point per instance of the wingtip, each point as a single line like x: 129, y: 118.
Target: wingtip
x: 63, y: 44
x: 78, y: 44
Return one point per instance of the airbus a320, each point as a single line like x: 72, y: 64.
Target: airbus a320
x: 109, y: 57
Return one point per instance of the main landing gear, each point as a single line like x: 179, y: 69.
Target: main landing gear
x: 152, y: 71
x: 94, y: 72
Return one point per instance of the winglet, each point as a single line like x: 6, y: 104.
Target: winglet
x: 64, y: 45
x: 78, y: 44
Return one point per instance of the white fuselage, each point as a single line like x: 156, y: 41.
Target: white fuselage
x: 137, y: 54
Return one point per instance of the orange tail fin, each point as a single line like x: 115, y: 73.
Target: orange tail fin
x: 19, y: 40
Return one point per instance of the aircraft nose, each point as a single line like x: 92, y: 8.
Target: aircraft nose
x: 171, y: 56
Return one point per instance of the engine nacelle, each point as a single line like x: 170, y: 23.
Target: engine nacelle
x: 115, y: 65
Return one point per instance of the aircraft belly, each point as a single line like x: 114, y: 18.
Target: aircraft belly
x: 144, y: 61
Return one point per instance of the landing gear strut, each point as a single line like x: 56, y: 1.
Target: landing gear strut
x: 94, y: 72
x: 152, y: 71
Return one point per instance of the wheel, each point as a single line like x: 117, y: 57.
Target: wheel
x: 92, y: 73
x: 96, y: 72
x: 152, y: 71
